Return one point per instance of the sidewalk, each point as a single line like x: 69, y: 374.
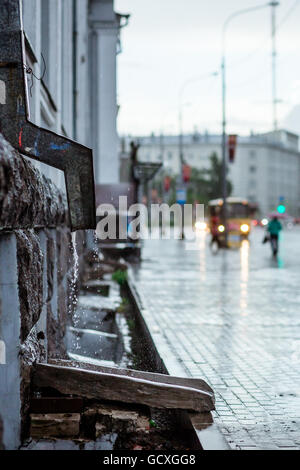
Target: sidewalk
x: 233, y: 320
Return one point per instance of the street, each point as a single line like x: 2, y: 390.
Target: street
x: 233, y: 320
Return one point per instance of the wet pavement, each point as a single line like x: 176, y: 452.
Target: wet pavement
x: 233, y: 319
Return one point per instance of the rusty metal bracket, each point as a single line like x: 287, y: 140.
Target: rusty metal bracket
x: 75, y: 160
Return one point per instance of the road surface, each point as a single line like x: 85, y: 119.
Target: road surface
x: 234, y: 320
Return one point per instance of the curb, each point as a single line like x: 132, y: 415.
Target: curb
x: 211, y: 437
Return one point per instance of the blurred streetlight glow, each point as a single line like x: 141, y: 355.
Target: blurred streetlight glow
x: 201, y: 225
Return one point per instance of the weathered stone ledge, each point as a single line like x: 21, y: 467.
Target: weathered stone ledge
x: 27, y: 198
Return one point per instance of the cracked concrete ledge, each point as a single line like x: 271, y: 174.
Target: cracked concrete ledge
x: 211, y: 437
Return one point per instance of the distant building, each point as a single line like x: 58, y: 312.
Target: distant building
x: 266, y: 166
x: 73, y: 44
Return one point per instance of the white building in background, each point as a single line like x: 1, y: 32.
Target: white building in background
x: 266, y: 166
x: 72, y: 45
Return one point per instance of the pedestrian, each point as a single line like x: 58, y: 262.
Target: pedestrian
x: 214, y: 229
x: 274, y: 228
x: 134, y: 147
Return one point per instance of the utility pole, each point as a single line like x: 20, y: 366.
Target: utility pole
x: 181, y: 159
x: 162, y: 151
x: 180, y: 141
x: 274, y: 63
x: 273, y: 4
x: 224, y: 151
x: 161, y: 146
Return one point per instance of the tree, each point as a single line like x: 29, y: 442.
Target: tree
x: 198, y: 187
x: 205, y: 184
x: 215, y: 178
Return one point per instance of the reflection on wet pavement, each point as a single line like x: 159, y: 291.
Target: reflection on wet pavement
x: 232, y: 318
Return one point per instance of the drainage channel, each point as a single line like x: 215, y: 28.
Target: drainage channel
x: 94, y: 335
x: 104, y: 333
x: 99, y: 337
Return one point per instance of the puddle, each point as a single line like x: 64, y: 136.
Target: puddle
x: 96, y: 302
x: 94, y: 344
x: 90, y: 360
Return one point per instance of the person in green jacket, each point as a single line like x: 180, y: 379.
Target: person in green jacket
x: 274, y: 228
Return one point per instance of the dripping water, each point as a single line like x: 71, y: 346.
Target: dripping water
x: 74, y: 281
x: 76, y: 259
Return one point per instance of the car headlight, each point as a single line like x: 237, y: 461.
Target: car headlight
x: 244, y: 228
x: 221, y: 228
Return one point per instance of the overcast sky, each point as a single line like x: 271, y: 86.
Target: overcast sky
x: 168, y: 42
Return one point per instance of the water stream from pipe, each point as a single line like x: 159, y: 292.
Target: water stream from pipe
x: 75, y: 276
x: 76, y: 258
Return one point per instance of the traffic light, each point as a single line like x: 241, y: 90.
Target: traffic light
x: 232, y: 141
x: 281, y: 209
x: 186, y: 173
x: 167, y: 183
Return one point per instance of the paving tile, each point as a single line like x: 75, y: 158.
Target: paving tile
x: 232, y: 319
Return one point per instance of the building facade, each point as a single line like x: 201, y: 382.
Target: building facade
x: 71, y: 47
x: 266, y: 167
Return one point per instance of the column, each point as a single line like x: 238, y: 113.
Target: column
x: 104, y: 30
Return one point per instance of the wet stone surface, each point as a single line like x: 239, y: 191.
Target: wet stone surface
x: 233, y: 320
x: 30, y: 280
x: 27, y: 198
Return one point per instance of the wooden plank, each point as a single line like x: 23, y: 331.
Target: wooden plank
x: 199, y: 384
x: 201, y: 420
x: 54, y: 425
x: 56, y: 405
x: 99, y: 385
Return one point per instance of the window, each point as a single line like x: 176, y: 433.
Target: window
x: 170, y: 155
x: 252, y: 169
x: 237, y: 210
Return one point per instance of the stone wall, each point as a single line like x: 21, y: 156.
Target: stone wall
x: 27, y: 198
x: 36, y: 271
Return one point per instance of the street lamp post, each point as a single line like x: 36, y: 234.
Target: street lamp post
x: 180, y: 106
x: 180, y: 141
x: 273, y: 34
x: 181, y: 160
x: 180, y: 127
x: 273, y: 4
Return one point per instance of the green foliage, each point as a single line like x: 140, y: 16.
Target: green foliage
x: 215, y: 178
x: 131, y: 324
x: 124, y: 305
x: 205, y: 184
x: 152, y: 423
x: 119, y: 276
x: 198, y: 187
